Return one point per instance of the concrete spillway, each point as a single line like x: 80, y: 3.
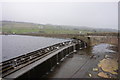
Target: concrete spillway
x: 40, y: 61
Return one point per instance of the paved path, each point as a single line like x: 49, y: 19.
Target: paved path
x: 80, y: 65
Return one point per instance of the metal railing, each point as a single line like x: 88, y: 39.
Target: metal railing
x: 19, y: 62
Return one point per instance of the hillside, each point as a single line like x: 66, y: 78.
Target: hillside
x: 25, y: 27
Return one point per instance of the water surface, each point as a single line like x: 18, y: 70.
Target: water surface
x: 16, y: 45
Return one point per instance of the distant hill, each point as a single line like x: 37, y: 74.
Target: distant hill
x: 25, y: 27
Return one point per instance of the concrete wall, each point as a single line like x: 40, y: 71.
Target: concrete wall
x: 48, y: 65
x: 103, y: 39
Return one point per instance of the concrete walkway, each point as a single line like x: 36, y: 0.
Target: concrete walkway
x: 81, y: 64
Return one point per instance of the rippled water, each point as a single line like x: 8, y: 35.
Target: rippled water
x: 102, y: 48
x: 16, y: 45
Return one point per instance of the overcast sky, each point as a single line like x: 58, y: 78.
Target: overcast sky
x: 91, y: 14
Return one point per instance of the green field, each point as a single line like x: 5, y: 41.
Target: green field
x: 12, y: 27
x: 19, y: 28
x: 47, y: 31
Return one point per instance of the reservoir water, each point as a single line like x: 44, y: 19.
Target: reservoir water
x: 16, y: 45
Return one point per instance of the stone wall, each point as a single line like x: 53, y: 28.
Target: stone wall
x: 103, y: 39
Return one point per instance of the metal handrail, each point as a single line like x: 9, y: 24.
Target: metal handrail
x: 16, y: 63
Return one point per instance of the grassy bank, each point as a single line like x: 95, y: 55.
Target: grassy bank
x: 10, y: 27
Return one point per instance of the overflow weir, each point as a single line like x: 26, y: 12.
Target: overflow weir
x: 38, y: 63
